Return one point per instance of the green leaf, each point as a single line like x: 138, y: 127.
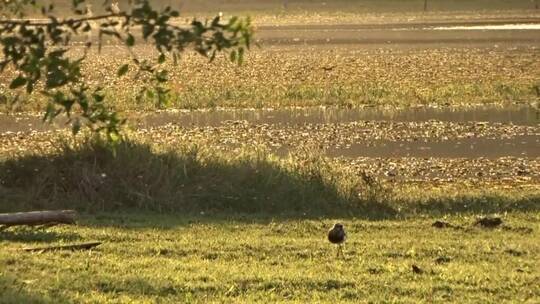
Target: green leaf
x: 76, y: 127
x: 147, y: 30
x: 240, y: 55
x: 162, y: 76
x: 130, y: 40
x: 18, y: 82
x: 113, y: 136
x: 233, y: 20
x: 122, y: 70
x: 161, y: 58
x: 29, y: 87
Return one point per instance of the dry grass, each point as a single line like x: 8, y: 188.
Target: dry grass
x: 291, y: 77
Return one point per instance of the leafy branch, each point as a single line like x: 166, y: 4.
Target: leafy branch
x: 37, y: 51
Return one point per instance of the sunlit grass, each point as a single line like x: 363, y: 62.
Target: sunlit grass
x: 218, y: 258
x: 347, y: 78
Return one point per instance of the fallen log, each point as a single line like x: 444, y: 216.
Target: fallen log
x: 83, y: 246
x: 35, y: 218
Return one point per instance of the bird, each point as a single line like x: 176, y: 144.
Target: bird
x: 89, y: 12
x: 115, y: 9
x: 489, y: 222
x: 328, y: 68
x: 417, y: 269
x: 337, y: 235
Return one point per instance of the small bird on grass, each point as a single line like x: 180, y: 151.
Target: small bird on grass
x: 489, y: 222
x: 115, y: 9
x: 417, y: 269
x: 337, y: 235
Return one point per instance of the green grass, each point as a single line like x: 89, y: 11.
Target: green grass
x: 245, y: 259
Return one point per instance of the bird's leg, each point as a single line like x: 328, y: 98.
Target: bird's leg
x: 339, y: 251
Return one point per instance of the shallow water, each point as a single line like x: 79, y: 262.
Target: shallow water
x: 516, y: 114
x: 467, y: 34
x: 494, y: 27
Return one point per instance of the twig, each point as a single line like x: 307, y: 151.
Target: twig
x: 29, y: 22
x: 83, y: 246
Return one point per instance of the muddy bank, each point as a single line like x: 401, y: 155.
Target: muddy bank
x: 345, y: 135
x: 513, y: 170
x: 359, y: 138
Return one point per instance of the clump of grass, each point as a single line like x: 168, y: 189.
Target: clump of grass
x: 88, y: 175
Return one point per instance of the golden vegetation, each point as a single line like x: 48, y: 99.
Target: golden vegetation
x: 289, y: 76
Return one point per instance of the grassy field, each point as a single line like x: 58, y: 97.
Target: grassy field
x: 352, y: 74
x: 215, y: 214
x: 248, y: 259
x: 247, y: 227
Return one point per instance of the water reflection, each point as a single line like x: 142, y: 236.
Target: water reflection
x: 490, y: 27
x: 516, y: 114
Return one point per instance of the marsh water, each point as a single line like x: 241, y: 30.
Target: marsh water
x: 517, y: 146
x: 464, y: 34
x: 510, y: 114
x: 471, y: 34
x: 514, y: 114
x: 421, y: 35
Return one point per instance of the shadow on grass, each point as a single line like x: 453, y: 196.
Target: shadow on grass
x: 137, y: 287
x: 14, y: 290
x: 481, y: 204
x: 89, y: 177
x: 42, y: 235
x: 195, y: 180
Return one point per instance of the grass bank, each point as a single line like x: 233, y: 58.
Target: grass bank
x: 89, y: 176
x: 84, y: 174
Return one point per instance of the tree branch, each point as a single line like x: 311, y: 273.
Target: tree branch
x: 28, y: 22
